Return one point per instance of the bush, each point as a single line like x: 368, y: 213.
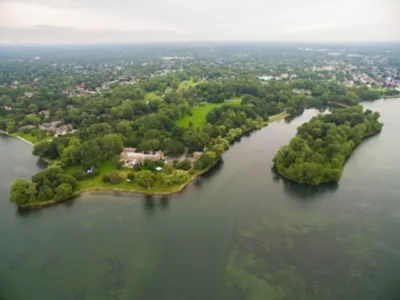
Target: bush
x: 137, y: 167
x: 149, y: 164
x: 131, y: 176
x: 119, y: 166
x: 79, y: 175
x: 112, y: 177
x: 106, y: 178
x: 198, y: 165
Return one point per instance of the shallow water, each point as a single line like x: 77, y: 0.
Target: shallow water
x: 238, y: 233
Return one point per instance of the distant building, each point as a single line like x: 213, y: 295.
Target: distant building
x: 265, y: 78
x: 28, y: 95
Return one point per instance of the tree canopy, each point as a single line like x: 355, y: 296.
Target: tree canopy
x: 319, y: 150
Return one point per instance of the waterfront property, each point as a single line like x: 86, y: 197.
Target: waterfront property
x: 130, y: 157
x: 57, y: 131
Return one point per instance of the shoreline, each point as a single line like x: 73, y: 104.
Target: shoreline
x: 123, y: 191
x: 16, y: 136
x: 180, y: 188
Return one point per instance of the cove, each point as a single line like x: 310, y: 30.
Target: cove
x: 239, y: 232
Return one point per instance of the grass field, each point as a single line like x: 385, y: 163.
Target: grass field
x: 109, y: 166
x: 186, y: 84
x: 200, y: 113
x: 151, y: 96
x: 29, y: 137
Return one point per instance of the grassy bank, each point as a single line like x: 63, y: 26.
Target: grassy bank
x: 27, y: 137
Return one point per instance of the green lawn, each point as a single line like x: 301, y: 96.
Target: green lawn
x: 200, y: 113
x: 277, y: 117
x: 186, y: 84
x: 151, y: 96
x: 97, y: 182
x: 29, y: 137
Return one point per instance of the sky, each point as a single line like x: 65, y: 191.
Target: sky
x: 125, y: 21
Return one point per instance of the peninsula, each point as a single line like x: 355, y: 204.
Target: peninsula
x: 147, y: 124
x: 319, y: 151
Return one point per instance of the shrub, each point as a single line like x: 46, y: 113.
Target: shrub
x: 106, y: 178
x: 119, y: 166
x: 149, y: 164
x: 137, y: 167
x: 131, y: 176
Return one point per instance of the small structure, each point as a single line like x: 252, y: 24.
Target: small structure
x: 8, y: 108
x: 90, y: 170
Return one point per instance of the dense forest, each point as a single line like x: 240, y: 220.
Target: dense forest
x: 319, y: 151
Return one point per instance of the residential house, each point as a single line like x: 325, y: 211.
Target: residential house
x: 44, y: 113
x: 63, y: 130
x: 49, y: 127
x: 28, y: 95
x: 130, y: 157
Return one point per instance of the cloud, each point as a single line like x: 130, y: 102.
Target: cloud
x: 342, y: 20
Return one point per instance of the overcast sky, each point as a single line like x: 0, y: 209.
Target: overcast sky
x: 102, y: 21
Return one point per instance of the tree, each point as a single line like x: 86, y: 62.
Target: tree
x: 149, y: 164
x: 63, y: 192
x: 22, y: 192
x: 146, y: 178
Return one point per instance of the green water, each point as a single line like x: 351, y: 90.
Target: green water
x: 238, y: 233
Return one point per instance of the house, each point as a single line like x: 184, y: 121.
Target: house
x: 130, y: 157
x: 63, y: 130
x: 49, y: 127
x: 28, y: 95
x: 8, y: 108
x: 44, y: 113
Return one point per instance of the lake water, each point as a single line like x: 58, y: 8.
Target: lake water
x: 238, y: 233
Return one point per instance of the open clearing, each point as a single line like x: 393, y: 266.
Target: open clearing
x: 200, y: 113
